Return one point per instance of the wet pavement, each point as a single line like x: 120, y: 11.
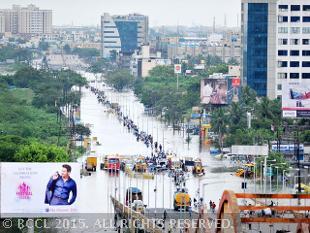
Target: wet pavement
x: 96, y: 189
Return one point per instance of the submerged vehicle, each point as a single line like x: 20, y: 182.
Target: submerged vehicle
x: 140, y: 164
x: 132, y: 194
x: 182, y: 200
x: 91, y: 163
x: 246, y: 171
x: 198, y: 168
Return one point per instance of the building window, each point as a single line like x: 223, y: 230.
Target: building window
x: 306, y: 64
x: 306, y: 7
x: 283, y: 30
x: 282, y: 42
x: 282, y: 75
x: 306, y: 19
x: 294, y: 64
x: 305, y: 41
x: 282, y: 52
x: 106, y: 22
x: 294, y: 41
x: 306, y: 30
x: 282, y: 19
x: 295, y: 7
x: 306, y: 75
x: 282, y: 64
x: 295, y: 30
x: 283, y: 7
x: 295, y: 19
x: 294, y: 53
x: 306, y: 52
x: 279, y: 87
x: 294, y: 75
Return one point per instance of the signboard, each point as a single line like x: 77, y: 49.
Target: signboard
x: 249, y: 150
x: 36, y: 189
x: 296, y: 98
x: 177, y: 68
x: 213, y: 91
x: 235, y: 82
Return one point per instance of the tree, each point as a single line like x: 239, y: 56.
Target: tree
x: 67, y: 49
x: 219, y: 124
x: 233, y: 62
x: 82, y: 130
x: 120, y: 79
x: 37, y: 152
x: 43, y: 45
x: 9, y: 145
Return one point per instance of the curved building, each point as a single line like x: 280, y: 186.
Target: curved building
x: 122, y: 34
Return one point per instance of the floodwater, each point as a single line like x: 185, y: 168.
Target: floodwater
x: 95, y: 190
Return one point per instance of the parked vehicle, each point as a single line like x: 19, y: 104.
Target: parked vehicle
x: 91, y: 163
x: 182, y: 200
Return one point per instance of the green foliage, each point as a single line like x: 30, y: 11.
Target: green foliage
x: 158, y: 91
x: 86, y: 52
x: 28, y: 131
x: 38, y: 152
x: 9, y: 145
x: 67, y: 48
x: 100, y: 66
x: 43, y: 45
x: 219, y: 123
x: 49, y: 88
x: 120, y: 79
x: 82, y: 130
x: 18, y: 54
x: 280, y: 162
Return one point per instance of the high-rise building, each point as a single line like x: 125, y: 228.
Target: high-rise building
x: 2, y: 22
x: 123, y: 34
x: 293, y: 41
x: 258, y: 45
x: 28, y: 20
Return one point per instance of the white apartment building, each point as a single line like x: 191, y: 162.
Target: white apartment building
x: 2, y: 22
x: 293, y: 41
x: 27, y: 20
x: 142, y: 62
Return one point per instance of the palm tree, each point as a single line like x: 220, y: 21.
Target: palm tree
x: 219, y: 123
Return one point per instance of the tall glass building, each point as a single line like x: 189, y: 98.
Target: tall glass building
x: 258, y: 39
x: 123, y: 34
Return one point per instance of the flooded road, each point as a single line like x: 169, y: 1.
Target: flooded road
x: 95, y: 190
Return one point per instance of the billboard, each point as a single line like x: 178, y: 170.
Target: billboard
x: 249, y: 150
x: 213, y: 91
x: 296, y: 98
x: 39, y: 189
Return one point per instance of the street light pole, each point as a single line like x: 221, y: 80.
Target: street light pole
x: 283, y: 180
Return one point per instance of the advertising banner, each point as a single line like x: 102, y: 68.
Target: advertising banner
x: 213, y: 91
x: 296, y: 98
x: 39, y: 189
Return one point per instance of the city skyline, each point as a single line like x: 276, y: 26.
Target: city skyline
x: 197, y: 13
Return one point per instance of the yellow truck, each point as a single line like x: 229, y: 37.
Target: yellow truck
x: 91, y: 163
x: 198, y: 168
x: 246, y: 171
x: 140, y: 164
x: 182, y: 200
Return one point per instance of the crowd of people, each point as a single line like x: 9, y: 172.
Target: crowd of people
x: 140, y: 135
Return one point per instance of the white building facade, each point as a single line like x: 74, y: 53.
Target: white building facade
x: 293, y: 41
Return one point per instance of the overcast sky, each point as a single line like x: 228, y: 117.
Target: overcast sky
x: 160, y: 12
